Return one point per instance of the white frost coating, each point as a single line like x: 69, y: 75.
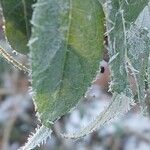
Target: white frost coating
x: 40, y: 137
x: 13, y: 61
x: 40, y: 4
x: 142, y: 20
x: 89, y: 17
x: 31, y: 41
x: 113, y: 58
x: 37, y: 25
x: 136, y: 41
x: 64, y: 6
x: 121, y: 69
x: 119, y: 105
x: 15, y: 52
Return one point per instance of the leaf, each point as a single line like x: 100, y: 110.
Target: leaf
x: 148, y: 71
x: 41, y: 135
x: 148, y: 68
x: 138, y: 53
x: 143, y: 21
x: 120, y: 15
x: 17, y: 14
x: 66, y: 48
x: 120, y: 104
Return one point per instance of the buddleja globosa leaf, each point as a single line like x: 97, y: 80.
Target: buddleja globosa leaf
x: 148, y: 72
x: 66, y: 48
x: 138, y: 53
x: 120, y: 15
x: 17, y: 15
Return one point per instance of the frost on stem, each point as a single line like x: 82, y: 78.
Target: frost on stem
x: 148, y: 71
x: 13, y: 61
x: 40, y: 137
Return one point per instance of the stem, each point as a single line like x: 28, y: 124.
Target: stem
x: 12, y: 61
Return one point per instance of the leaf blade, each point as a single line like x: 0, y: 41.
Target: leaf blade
x: 70, y: 35
x: 121, y: 14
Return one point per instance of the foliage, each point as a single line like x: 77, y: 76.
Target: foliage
x: 66, y: 47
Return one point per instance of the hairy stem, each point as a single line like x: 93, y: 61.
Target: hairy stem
x: 12, y: 61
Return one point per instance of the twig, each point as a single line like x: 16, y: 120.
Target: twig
x: 14, y: 62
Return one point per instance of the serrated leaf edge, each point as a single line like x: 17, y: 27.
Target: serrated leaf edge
x: 36, y: 139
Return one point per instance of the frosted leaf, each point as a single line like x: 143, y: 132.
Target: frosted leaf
x: 137, y: 41
x: 138, y: 53
x: 119, y: 18
x: 142, y: 20
x: 65, y: 54
x: 148, y: 71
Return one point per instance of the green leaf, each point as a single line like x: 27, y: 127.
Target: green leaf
x: 120, y: 15
x: 66, y: 49
x: 148, y: 71
x: 17, y: 14
x: 148, y: 26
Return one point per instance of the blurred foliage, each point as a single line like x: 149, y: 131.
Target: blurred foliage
x: 17, y: 14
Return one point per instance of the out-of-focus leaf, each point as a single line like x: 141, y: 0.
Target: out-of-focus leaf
x: 66, y: 49
x: 138, y: 53
x: 148, y: 72
x: 17, y: 14
x: 143, y: 21
x: 120, y: 15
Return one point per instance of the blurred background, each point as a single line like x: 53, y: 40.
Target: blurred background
x: 18, y: 120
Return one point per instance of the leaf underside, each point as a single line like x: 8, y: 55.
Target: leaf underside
x: 17, y: 15
x: 148, y: 69
x: 148, y: 72
x: 122, y: 32
x: 66, y: 48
